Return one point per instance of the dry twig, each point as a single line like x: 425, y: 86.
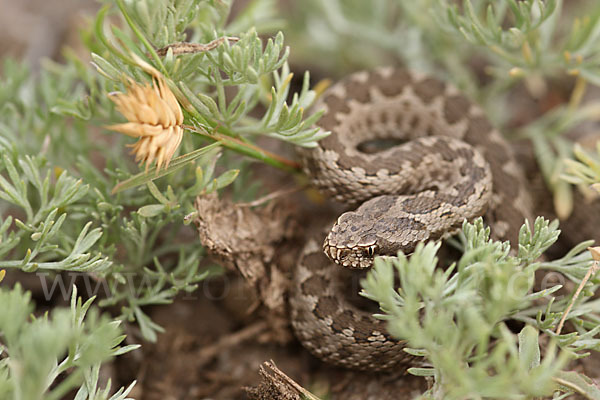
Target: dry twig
x: 192, y: 48
x: 592, y: 271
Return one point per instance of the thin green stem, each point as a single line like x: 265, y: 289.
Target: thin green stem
x: 70, y: 382
x: 248, y: 149
x: 142, y: 38
x: 99, y: 30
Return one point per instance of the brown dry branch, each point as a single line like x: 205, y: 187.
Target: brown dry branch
x: 276, y: 385
x: 208, y: 353
x: 192, y: 48
x: 591, y: 272
x: 272, y: 196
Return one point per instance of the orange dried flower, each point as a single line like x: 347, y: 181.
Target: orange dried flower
x: 154, y: 116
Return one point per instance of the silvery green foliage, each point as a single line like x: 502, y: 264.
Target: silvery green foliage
x: 244, y: 62
x: 455, y: 318
x: 585, y: 170
x: 58, y: 206
x: 67, y: 343
x: 58, y: 168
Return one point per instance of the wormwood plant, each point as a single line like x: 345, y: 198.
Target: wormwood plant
x: 456, y: 319
x: 75, y: 339
x: 585, y: 169
x: 74, y: 210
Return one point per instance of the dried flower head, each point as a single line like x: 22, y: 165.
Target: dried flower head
x: 154, y: 117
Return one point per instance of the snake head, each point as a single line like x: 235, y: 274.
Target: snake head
x: 350, y: 243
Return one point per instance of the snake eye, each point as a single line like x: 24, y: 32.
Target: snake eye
x: 371, y: 251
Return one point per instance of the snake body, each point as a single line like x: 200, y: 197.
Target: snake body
x: 450, y: 165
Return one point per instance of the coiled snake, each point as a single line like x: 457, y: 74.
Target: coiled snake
x: 451, y: 165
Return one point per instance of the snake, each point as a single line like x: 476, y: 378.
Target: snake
x: 447, y: 163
